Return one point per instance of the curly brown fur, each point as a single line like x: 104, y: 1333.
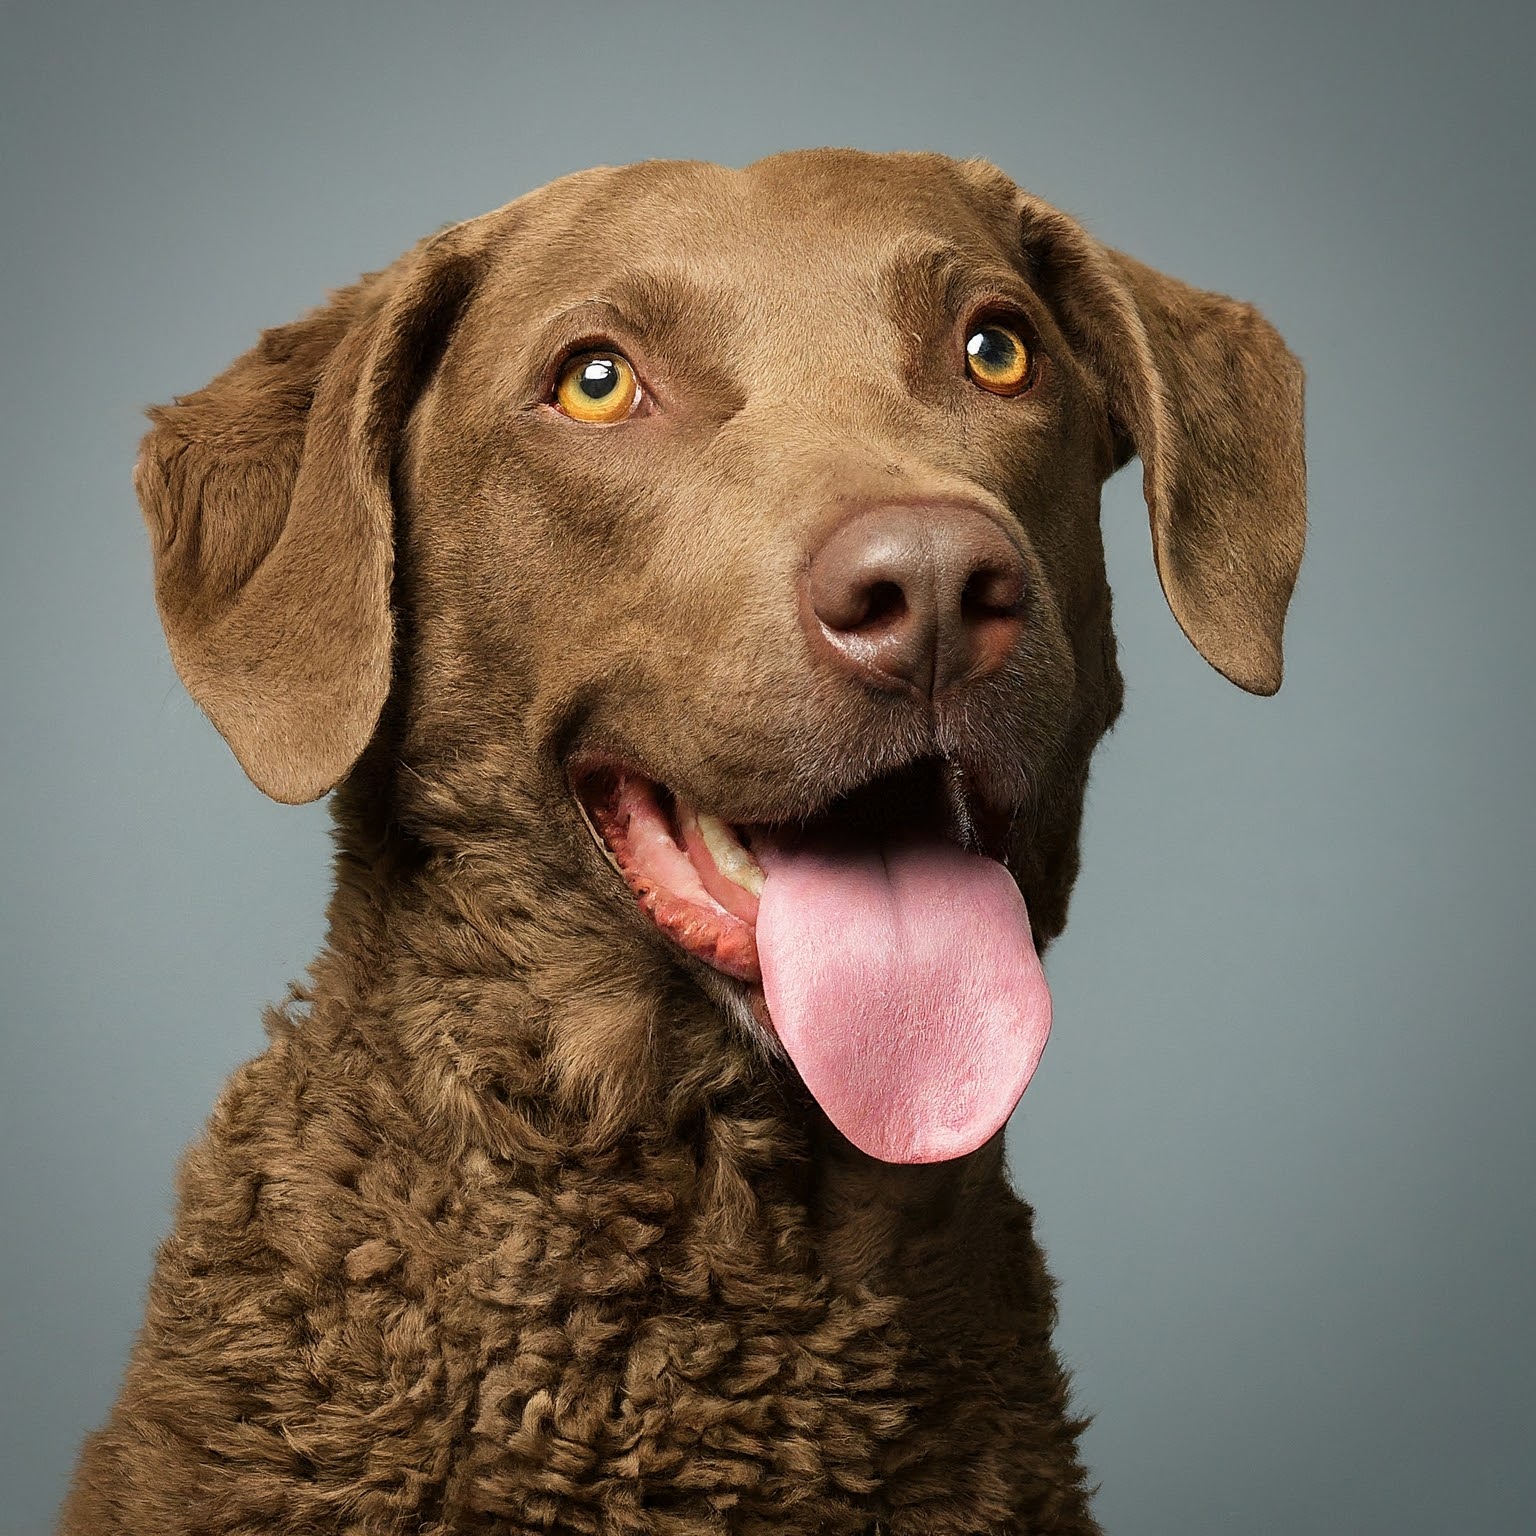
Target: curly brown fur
x: 513, y: 1227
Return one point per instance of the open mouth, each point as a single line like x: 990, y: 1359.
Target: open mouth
x: 693, y: 874
x: 891, y: 945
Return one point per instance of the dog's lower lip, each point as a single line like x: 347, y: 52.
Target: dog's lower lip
x: 690, y: 872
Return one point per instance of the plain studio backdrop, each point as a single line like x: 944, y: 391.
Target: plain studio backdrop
x: 1281, y: 1145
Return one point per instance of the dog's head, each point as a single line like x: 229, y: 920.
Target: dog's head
x: 735, y: 533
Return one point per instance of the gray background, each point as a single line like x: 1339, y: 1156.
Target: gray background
x: 1282, y: 1145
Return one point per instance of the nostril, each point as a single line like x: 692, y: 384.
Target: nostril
x: 849, y: 602
x: 992, y: 594
x: 885, y: 604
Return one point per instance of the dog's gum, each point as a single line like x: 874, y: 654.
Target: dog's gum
x: 625, y: 812
x: 731, y: 859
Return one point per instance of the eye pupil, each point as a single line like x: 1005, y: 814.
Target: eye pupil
x: 599, y: 378
x: 992, y: 348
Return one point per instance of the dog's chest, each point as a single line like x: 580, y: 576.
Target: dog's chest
x: 609, y: 1364
x: 637, y: 1369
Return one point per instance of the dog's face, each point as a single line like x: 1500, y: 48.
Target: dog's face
x: 720, y: 537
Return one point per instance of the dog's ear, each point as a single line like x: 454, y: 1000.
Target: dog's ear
x: 1203, y: 389
x: 267, y: 496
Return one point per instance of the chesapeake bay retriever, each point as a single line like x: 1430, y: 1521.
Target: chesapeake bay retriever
x: 689, y: 581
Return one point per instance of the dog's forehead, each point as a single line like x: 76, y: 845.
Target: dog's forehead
x: 804, y: 223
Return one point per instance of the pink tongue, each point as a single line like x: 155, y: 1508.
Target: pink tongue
x: 904, y: 984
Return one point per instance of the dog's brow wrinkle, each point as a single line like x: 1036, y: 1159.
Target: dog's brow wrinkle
x: 936, y: 258
x: 592, y: 303
x: 933, y: 268
x: 668, y: 298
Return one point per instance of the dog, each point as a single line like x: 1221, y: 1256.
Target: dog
x: 689, y: 582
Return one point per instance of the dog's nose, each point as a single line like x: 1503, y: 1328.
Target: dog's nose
x: 926, y: 596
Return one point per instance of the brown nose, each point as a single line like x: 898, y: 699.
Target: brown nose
x: 925, y: 596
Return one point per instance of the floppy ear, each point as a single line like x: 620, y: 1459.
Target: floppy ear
x: 1205, y: 391
x: 267, y: 496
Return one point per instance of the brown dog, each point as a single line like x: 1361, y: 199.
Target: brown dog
x: 691, y: 579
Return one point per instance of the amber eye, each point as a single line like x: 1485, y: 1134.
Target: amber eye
x: 598, y: 387
x: 997, y: 359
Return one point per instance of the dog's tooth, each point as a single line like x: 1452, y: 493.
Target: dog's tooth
x: 731, y: 859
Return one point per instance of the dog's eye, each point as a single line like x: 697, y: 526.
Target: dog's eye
x: 998, y: 360
x: 597, y: 387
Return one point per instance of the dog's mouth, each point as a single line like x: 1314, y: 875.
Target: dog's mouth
x: 693, y: 874
x: 882, y: 940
